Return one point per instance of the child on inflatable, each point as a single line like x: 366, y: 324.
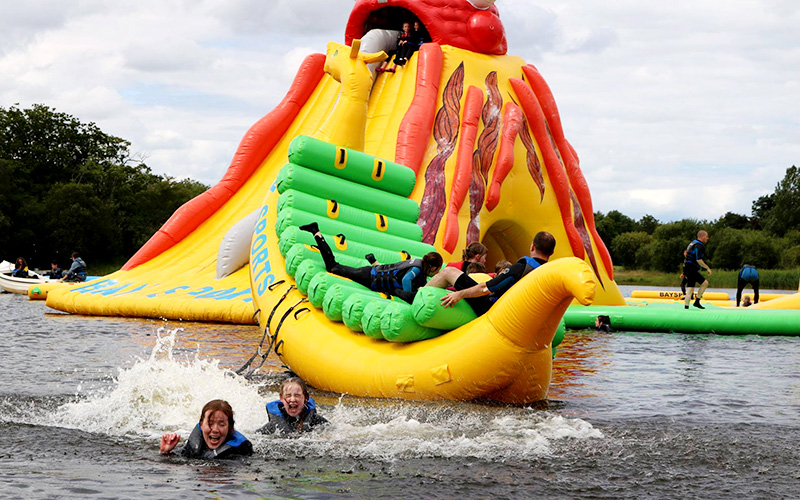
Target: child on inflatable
x: 213, y: 437
x: 474, y: 252
x: 294, y: 412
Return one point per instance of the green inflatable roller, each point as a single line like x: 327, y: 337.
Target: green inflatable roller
x: 305, y: 271
x: 398, y: 325
x: 428, y: 311
x: 353, y: 309
x: 371, y: 318
x: 293, y: 235
x: 322, y: 281
x: 294, y: 217
x: 326, y: 186
x: 322, y: 208
x: 352, y: 165
x: 674, y: 318
x: 333, y: 302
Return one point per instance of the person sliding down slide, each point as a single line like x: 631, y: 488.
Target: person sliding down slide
x: 401, y: 279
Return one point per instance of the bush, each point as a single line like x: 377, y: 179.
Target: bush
x: 625, y: 247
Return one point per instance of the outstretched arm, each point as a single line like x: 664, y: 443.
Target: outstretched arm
x: 478, y: 290
x: 168, y: 442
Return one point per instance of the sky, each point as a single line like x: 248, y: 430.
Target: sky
x: 679, y: 109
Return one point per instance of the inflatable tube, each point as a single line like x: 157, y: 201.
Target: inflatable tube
x: 674, y: 318
x: 353, y: 309
x: 428, y: 311
x: 371, y: 318
x: 335, y: 297
x: 675, y: 294
x: 398, y: 324
x: 322, y: 282
x: 293, y: 235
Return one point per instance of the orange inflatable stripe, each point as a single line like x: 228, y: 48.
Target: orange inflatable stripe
x: 555, y: 171
x: 512, y: 121
x: 577, y: 180
x: 415, y: 129
x: 253, y: 149
x: 463, y: 173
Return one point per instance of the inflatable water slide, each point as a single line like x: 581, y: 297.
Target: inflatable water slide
x: 464, y: 143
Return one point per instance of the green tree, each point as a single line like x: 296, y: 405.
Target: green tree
x: 648, y: 224
x: 612, y: 225
x: 627, y: 245
x: 732, y: 220
x: 785, y: 214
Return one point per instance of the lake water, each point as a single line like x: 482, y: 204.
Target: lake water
x: 630, y: 415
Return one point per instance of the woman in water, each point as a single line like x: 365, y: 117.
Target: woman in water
x: 401, y: 279
x: 295, y: 411
x: 213, y: 437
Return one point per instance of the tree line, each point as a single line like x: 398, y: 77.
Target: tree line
x: 67, y: 186
x: 769, y: 238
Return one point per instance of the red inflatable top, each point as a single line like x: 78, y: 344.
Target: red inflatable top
x: 449, y: 22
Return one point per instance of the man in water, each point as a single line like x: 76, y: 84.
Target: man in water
x: 481, y: 296
x: 695, y: 260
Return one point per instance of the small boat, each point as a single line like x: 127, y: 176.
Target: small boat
x: 20, y: 285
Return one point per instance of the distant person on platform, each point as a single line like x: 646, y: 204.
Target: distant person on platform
x: 481, y: 296
x: 77, y: 271
x: 696, y: 260
x: 747, y: 275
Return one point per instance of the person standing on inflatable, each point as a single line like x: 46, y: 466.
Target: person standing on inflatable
x: 695, y: 259
x: 748, y: 274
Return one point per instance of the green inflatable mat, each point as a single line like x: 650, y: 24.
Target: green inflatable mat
x: 304, y: 272
x: 328, y: 209
x: 428, y: 311
x: 674, y: 318
x: 353, y: 165
x: 353, y: 309
x: 326, y: 186
x: 398, y: 325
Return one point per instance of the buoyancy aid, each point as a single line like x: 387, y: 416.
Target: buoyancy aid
x: 196, y: 446
x: 281, y: 421
x: 387, y: 277
x: 694, y: 252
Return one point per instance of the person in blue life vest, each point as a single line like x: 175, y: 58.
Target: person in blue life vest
x: 747, y: 275
x: 401, y: 279
x: 213, y: 436
x: 696, y: 260
x: 55, y: 272
x: 294, y: 412
x: 20, y: 269
x: 77, y: 271
x: 481, y: 296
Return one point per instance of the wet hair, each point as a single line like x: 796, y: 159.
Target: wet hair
x: 431, y: 260
x: 295, y: 380
x: 474, y: 249
x: 475, y: 267
x: 545, y: 243
x: 218, y: 405
x: 75, y: 255
x: 501, y: 266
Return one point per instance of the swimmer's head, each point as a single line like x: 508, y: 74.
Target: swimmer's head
x: 216, y: 422
x: 294, y: 394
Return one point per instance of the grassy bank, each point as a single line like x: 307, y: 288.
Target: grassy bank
x: 773, y: 279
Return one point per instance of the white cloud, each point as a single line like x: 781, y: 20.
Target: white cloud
x: 678, y: 109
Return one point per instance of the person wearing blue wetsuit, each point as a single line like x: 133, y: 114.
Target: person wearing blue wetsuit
x: 213, y: 437
x: 695, y: 260
x: 481, y: 296
x: 747, y: 275
x: 401, y: 279
x: 294, y: 412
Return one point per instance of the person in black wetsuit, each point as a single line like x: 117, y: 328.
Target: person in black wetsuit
x: 481, y: 296
x: 401, y: 279
x: 294, y: 412
x: 695, y: 260
x: 747, y: 275
x: 213, y: 437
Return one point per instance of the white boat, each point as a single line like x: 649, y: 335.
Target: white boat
x: 20, y: 285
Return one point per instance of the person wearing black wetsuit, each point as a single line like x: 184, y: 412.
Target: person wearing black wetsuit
x: 402, y: 278
x: 747, y: 275
x: 695, y: 260
x: 481, y: 296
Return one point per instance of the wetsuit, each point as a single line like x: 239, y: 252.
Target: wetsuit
x: 283, y: 423
x: 77, y: 271
x: 691, y: 269
x: 196, y: 447
x: 499, y: 284
x: 748, y: 274
x: 405, y: 275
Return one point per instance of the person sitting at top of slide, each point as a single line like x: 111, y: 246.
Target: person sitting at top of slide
x: 295, y: 411
x: 748, y: 274
x: 77, y: 271
x: 475, y: 252
x: 212, y: 437
x: 481, y: 296
x: 401, y: 279
x: 695, y: 259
